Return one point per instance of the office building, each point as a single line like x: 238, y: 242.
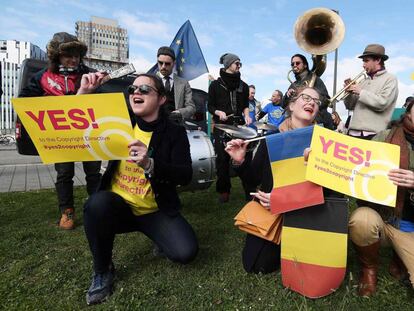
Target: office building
x: 108, y: 47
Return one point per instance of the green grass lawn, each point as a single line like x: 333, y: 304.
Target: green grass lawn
x: 44, y: 268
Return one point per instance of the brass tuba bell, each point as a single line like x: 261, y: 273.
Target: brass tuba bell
x: 319, y: 31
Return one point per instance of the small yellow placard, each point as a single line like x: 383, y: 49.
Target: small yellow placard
x: 77, y: 127
x: 353, y: 166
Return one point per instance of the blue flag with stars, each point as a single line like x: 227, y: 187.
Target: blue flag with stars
x: 189, y: 59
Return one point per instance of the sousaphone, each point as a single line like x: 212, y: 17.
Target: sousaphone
x: 319, y: 31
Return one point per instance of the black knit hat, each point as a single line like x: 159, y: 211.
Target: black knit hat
x: 166, y: 50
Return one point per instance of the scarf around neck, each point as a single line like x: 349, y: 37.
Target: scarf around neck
x: 231, y: 80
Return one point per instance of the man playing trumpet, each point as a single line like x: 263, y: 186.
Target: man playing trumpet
x: 373, y: 100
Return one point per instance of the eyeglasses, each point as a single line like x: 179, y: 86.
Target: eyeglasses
x: 308, y: 99
x: 143, y: 89
x: 164, y: 63
x: 238, y: 64
x: 295, y: 63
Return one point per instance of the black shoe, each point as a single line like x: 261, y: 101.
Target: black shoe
x: 101, y: 287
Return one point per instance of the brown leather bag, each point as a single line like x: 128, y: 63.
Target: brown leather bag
x: 257, y: 220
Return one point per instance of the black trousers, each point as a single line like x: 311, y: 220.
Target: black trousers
x: 223, y: 183
x: 64, y: 181
x: 107, y: 214
x: 260, y: 256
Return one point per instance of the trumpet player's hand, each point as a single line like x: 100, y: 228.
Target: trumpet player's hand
x: 347, y: 82
x: 221, y: 114
x: 236, y: 148
x: 355, y: 89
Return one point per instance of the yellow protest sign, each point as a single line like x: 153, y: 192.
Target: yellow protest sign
x: 353, y: 166
x: 77, y: 127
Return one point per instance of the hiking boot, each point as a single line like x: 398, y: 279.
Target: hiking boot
x: 67, y: 220
x: 224, y: 197
x: 101, y: 287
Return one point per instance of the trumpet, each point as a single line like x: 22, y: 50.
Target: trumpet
x: 342, y: 94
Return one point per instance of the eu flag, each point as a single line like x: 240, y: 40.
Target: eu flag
x: 190, y: 62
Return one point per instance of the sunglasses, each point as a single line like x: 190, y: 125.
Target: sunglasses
x: 143, y: 89
x: 238, y: 64
x: 308, y: 99
x: 164, y: 63
x: 295, y: 63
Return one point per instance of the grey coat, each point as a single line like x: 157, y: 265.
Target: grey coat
x: 183, y: 97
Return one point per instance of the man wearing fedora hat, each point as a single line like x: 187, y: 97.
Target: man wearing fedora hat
x: 373, y: 100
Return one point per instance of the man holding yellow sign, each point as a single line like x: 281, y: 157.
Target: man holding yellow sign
x: 372, y: 172
x: 65, y: 75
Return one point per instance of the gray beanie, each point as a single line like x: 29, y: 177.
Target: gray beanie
x: 228, y: 59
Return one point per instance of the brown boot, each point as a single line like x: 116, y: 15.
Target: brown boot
x: 397, y: 268
x: 368, y: 257
x: 67, y: 221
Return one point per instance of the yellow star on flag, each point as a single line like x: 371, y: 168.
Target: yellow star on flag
x: 178, y: 41
x: 182, y: 50
x: 182, y: 59
x: 181, y: 68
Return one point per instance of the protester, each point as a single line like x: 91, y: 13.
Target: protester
x: 372, y: 100
x: 259, y: 255
x: 303, y: 76
x: 369, y: 227
x: 159, y: 161
x: 67, y: 75
x: 254, y: 104
x: 273, y: 110
x: 408, y: 100
x: 178, y: 90
x: 228, y: 102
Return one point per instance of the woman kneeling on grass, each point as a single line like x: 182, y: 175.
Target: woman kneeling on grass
x: 367, y: 228
x: 139, y: 194
x: 260, y: 255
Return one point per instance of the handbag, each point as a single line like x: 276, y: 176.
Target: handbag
x: 253, y: 218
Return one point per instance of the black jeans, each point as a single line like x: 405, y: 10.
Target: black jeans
x: 64, y: 181
x: 223, y: 182
x: 106, y: 214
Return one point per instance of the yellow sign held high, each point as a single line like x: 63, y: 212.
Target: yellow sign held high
x: 77, y: 127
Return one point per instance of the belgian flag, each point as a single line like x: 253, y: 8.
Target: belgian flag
x: 314, y: 248
x: 291, y: 190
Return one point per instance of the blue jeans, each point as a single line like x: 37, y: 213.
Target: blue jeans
x: 106, y: 214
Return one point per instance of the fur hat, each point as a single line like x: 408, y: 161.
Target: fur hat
x: 374, y: 50
x: 166, y: 50
x: 64, y: 43
x: 227, y: 59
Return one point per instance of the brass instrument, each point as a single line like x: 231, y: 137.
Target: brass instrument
x: 319, y: 31
x: 342, y: 94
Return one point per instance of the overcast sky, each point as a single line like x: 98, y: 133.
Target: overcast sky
x: 260, y: 32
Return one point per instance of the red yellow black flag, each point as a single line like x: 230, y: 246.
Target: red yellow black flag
x: 314, y: 248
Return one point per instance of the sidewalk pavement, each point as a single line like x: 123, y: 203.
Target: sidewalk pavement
x: 24, y: 173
